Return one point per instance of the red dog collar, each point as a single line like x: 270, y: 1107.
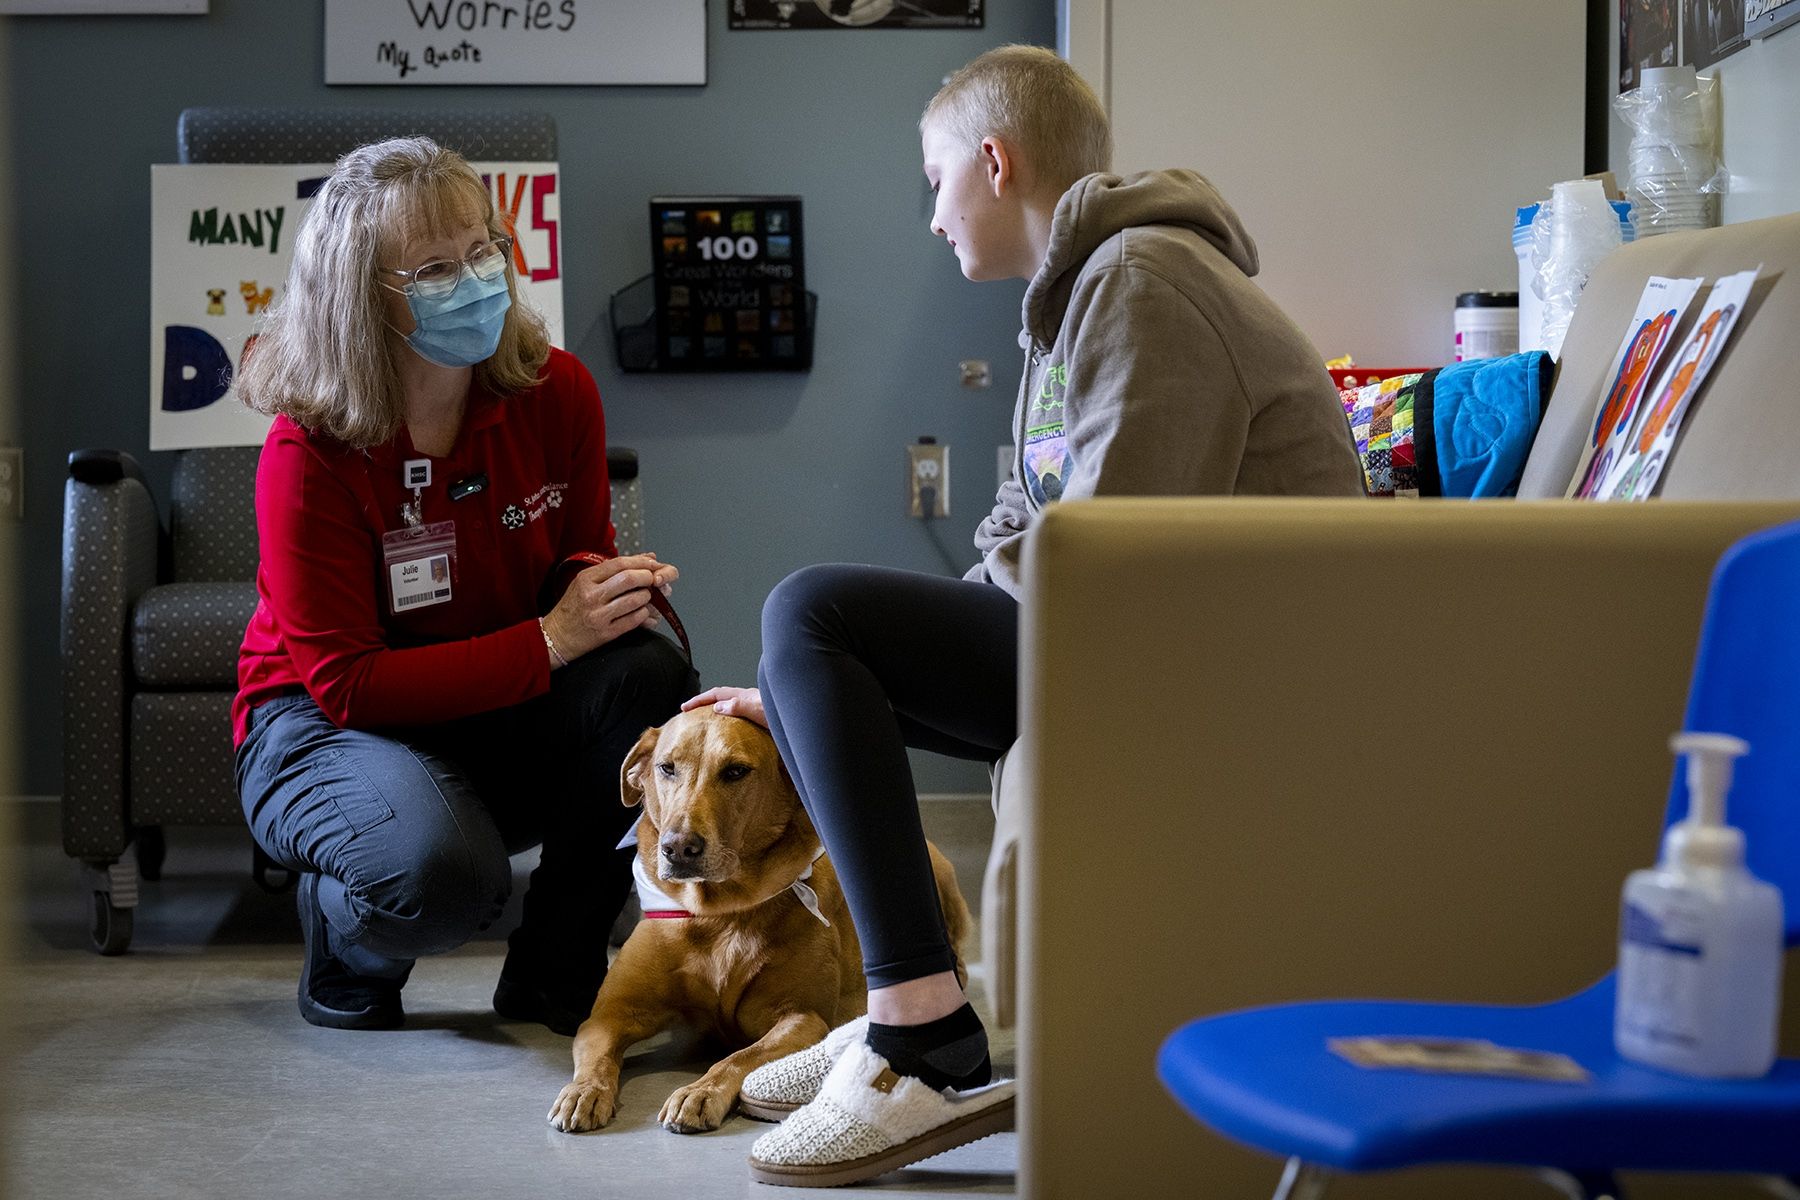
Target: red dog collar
x: 587, y: 558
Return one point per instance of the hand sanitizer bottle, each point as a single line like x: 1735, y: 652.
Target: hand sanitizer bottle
x: 1700, y: 948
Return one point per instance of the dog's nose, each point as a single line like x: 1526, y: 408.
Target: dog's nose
x: 682, y: 847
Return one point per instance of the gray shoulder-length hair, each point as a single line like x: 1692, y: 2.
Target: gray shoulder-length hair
x: 325, y: 358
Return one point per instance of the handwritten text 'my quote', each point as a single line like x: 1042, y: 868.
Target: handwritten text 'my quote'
x: 470, y: 16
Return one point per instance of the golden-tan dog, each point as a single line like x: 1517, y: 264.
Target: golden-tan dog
x: 724, y: 836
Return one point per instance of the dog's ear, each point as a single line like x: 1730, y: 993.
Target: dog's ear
x: 631, y: 774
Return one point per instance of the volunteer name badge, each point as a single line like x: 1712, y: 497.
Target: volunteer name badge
x: 420, y: 562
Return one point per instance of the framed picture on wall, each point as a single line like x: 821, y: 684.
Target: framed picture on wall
x: 1647, y: 38
x: 857, y: 14
x: 1711, y: 30
x: 1763, y: 17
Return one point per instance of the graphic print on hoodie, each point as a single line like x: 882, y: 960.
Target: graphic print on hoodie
x: 1047, y: 459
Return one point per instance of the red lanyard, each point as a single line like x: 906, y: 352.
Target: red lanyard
x: 589, y: 558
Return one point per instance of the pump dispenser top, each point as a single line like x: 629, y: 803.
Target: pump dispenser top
x: 1703, y: 839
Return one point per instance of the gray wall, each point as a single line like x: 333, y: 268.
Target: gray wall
x: 746, y: 476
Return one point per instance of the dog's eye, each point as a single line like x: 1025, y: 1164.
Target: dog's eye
x: 734, y: 772
x: 667, y: 769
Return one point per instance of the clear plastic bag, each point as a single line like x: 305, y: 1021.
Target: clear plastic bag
x: 1673, y: 160
x: 1574, y: 230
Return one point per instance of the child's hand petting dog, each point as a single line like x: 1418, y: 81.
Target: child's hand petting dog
x: 731, y: 702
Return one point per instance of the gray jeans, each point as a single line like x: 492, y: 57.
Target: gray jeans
x: 409, y: 830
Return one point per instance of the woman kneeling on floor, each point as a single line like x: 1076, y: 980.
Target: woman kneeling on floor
x: 417, y: 699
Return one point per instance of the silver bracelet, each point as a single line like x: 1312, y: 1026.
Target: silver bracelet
x: 551, y: 643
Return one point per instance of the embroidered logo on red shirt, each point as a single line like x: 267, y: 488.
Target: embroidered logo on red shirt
x: 534, y: 506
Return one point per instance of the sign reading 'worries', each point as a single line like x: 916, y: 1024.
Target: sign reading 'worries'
x: 515, y: 41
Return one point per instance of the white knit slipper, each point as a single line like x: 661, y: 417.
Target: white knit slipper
x: 774, y: 1090
x: 868, y: 1121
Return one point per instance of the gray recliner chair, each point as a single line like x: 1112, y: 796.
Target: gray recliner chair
x: 152, y: 614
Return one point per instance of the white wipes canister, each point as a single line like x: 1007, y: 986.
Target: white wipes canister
x: 1487, y: 325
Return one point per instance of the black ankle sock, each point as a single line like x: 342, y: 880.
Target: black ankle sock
x: 950, y: 1052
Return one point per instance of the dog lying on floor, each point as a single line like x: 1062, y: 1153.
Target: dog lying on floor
x: 750, y: 939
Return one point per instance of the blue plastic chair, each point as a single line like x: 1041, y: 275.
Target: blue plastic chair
x: 1264, y: 1077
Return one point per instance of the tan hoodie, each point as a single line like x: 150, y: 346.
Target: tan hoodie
x: 1154, y: 367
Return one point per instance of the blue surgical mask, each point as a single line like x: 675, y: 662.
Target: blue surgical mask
x: 463, y: 328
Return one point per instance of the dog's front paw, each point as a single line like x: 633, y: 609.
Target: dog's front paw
x: 582, y: 1106
x: 695, y: 1108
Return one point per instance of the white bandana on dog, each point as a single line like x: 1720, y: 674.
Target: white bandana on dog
x: 658, y: 905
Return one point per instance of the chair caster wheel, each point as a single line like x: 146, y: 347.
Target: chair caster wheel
x: 110, y: 926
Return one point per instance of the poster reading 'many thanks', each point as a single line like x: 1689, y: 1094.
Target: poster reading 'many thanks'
x: 221, y: 239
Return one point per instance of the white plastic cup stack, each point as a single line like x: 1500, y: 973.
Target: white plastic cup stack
x: 1531, y: 305
x: 1580, y: 216
x: 1573, y: 233
x: 1672, y: 157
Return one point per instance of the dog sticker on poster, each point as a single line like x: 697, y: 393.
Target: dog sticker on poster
x: 220, y: 243
x: 857, y: 14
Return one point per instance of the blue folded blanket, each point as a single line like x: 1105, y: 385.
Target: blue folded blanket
x: 1484, y: 415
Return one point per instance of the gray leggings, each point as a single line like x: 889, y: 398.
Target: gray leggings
x: 859, y: 663
x: 410, y: 829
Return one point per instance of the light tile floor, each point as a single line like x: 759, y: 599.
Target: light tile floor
x: 182, y: 1069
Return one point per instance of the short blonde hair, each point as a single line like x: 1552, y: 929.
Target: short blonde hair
x: 1036, y: 103
x: 325, y: 358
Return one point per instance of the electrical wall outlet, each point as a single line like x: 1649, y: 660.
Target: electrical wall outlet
x: 928, y: 479
x: 975, y: 373
x: 12, y: 482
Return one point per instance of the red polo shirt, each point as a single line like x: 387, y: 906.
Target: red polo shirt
x: 324, y: 618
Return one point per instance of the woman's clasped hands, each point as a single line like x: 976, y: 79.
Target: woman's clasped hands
x: 607, y: 601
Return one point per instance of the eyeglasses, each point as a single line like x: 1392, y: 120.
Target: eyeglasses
x: 437, y: 279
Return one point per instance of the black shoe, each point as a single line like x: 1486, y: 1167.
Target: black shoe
x: 331, y: 994
x: 561, y: 1008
